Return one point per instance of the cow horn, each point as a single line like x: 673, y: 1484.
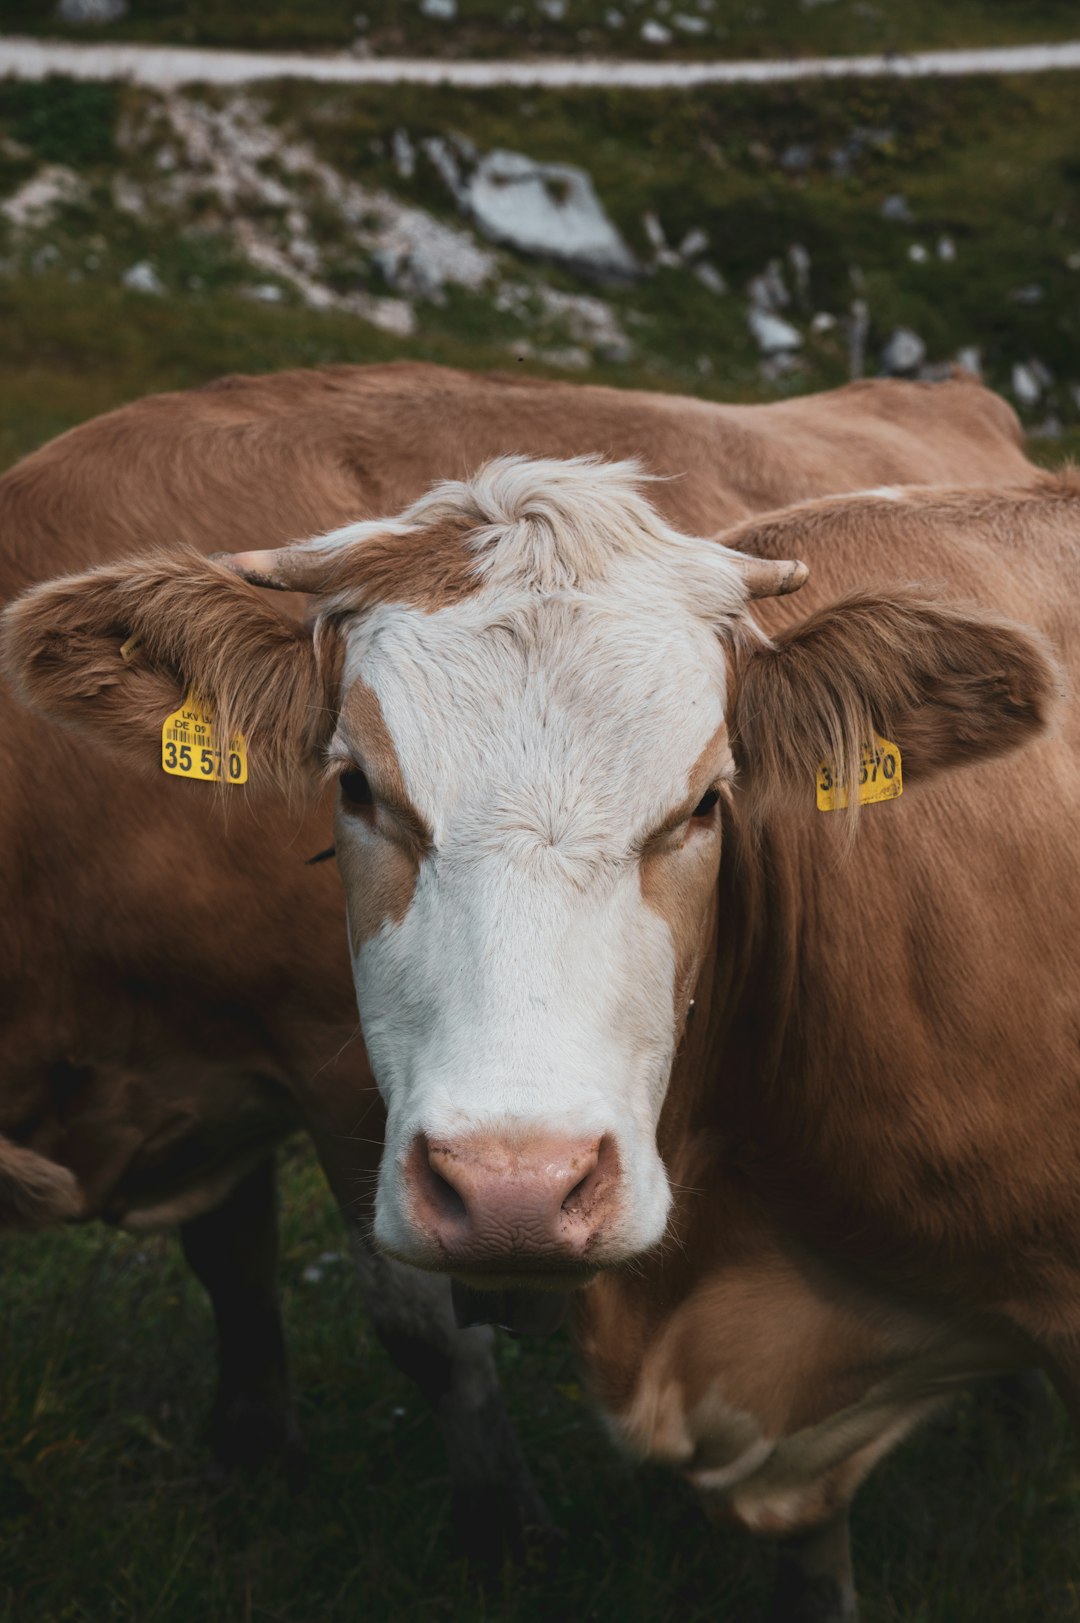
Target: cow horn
x: 284, y: 569
x: 769, y: 577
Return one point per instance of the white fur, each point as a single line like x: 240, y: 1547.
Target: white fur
x: 545, y: 726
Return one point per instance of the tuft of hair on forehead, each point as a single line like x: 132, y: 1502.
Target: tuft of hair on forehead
x: 547, y: 525
x: 524, y: 526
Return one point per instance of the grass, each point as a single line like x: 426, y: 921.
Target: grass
x: 106, y: 1507
x: 726, y: 28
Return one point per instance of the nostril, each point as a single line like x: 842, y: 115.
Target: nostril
x: 446, y: 1196
x: 584, y: 1193
x: 430, y: 1184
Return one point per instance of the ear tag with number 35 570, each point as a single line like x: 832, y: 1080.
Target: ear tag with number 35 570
x: 189, y: 748
x: 880, y: 778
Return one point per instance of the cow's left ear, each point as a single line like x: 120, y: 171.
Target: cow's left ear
x: 112, y: 652
x: 947, y: 685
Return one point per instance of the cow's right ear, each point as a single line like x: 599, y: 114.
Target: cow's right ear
x: 114, y: 651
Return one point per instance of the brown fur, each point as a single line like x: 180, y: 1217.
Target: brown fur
x: 872, y: 1125
x: 197, y: 627
x: 429, y: 568
x: 176, y: 985
x: 948, y: 686
x: 380, y: 892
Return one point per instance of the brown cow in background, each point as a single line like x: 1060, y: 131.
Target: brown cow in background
x: 178, y: 988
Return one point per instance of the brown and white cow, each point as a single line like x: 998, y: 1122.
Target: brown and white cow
x: 538, y: 697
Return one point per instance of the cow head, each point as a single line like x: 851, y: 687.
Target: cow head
x: 522, y: 690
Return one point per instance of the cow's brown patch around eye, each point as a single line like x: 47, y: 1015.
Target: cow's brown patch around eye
x: 679, y: 891
x: 379, y: 875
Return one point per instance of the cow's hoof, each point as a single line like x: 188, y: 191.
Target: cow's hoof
x: 250, y: 1435
x: 494, y: 1527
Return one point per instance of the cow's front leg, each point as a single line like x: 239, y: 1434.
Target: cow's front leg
x: 814, y: 1582
x: 233, y: 1251
x: 497, y: 1508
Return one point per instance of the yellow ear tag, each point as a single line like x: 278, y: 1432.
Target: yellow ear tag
x: 189, y: 748
x: 880, y: 778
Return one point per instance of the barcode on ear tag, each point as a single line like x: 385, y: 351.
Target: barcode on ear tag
x: 880, y: 778
x: 189, y: 748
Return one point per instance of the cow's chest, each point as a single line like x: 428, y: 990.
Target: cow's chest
x: 773, y: 1401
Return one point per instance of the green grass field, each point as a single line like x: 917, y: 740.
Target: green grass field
x: 107, y: 1510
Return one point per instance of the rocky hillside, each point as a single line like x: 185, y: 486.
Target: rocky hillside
x: 736, y: 244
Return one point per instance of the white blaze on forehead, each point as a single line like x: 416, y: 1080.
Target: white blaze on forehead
x: 568, y: 696
x: 566, y: 724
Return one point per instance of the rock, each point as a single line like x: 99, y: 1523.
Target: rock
x: 143, y: 278
x: 547, y: 209
x: 444, y: 11
x: 708, y: 275
x: 688, y: 24
x: 775, y: 367
x: 917, y: 254
x: 904, y: 352
x: 799, y: 260
x: 266, y: 293
x: 404, y: 154
x: 769, y: 290
x: 895, y: 208
x: 37, y: 199
x: 654, y: 33
x: 695, y: 242
x: 554, y: 10
x: 662, y: 254
x: 774, y: 335
x: 91, y: 13
x: 572, y: 355
x: 797, y: 158
x: 654, y: 231
x: 1031, y: 293
x: 1072, y: 261
x: 857, y: 333
x: 614, y: 19
x: 822, y: 322
x: 1026, y: 385
x: 970, y: 358
x: 946, y: 250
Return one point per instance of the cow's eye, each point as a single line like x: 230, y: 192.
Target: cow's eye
x: 706, y: 803
x: 355, y: 788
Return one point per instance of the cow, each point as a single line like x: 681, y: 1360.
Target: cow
x: 180, y: 990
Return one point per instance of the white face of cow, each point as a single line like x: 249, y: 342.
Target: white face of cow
x: 531, y: 754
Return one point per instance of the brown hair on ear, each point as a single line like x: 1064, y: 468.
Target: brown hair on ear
x: 184, y: 623
x: 946, y: 684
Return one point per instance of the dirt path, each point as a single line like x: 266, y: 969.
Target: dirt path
x: 165, y: 67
